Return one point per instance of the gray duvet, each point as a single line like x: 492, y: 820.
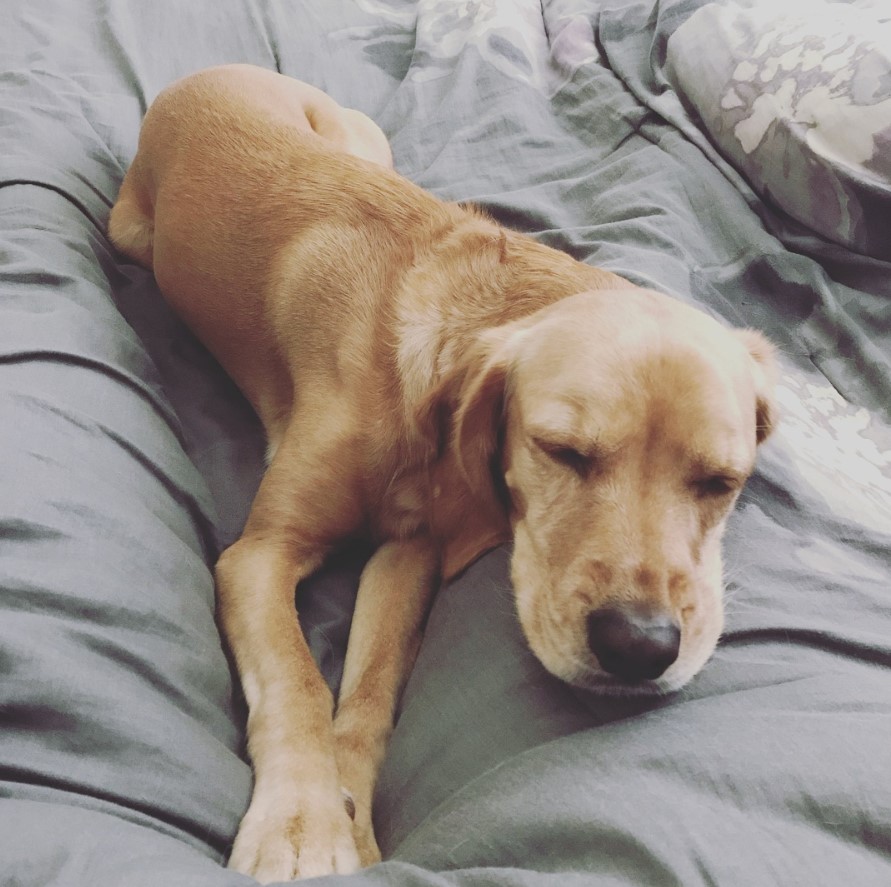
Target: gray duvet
x: 127, y: 459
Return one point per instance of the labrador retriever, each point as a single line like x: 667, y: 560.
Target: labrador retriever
x: 441, y: 384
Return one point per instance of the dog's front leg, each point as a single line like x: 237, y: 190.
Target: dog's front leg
x: 394, y: 595
x: 297, y: 824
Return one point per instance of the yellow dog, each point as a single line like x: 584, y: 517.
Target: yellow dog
x: 441, y: 384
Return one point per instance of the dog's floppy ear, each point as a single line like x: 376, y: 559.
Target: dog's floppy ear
x: 463, y: 413
x: 462, y: 421
x: 479, y: 404
x: 764, y: 372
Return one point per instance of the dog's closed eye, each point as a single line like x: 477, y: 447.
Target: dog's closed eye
x: 568, y: 456
x: 715, y: 486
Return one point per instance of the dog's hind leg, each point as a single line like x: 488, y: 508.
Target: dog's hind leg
x: 394, y: 596
x: 131, y: 225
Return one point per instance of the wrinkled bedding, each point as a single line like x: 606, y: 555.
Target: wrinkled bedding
x: 128, y: 459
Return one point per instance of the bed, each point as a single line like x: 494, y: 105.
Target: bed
x: 733, y: 154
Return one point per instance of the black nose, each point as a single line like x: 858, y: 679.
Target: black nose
x: 633, y: 645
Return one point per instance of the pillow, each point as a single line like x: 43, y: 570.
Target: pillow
x: 798, y: 98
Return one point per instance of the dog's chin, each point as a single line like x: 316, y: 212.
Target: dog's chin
x: 597, y: 682
x: 602, y: 684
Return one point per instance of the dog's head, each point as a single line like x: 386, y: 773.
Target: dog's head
x: 623, y: 426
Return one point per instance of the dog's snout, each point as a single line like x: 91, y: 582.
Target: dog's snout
x: 633, y: 645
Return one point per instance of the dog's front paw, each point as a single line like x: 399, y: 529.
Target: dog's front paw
x: 279, y: 842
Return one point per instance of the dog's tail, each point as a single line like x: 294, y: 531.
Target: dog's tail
x: 131, y: 225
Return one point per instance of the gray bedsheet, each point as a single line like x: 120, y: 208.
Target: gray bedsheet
x: 127, y: 460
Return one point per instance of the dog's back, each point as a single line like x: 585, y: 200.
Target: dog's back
x: 234, y: 163
x: 262, y: 228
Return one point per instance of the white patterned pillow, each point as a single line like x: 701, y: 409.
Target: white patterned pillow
x: 797, y: 95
